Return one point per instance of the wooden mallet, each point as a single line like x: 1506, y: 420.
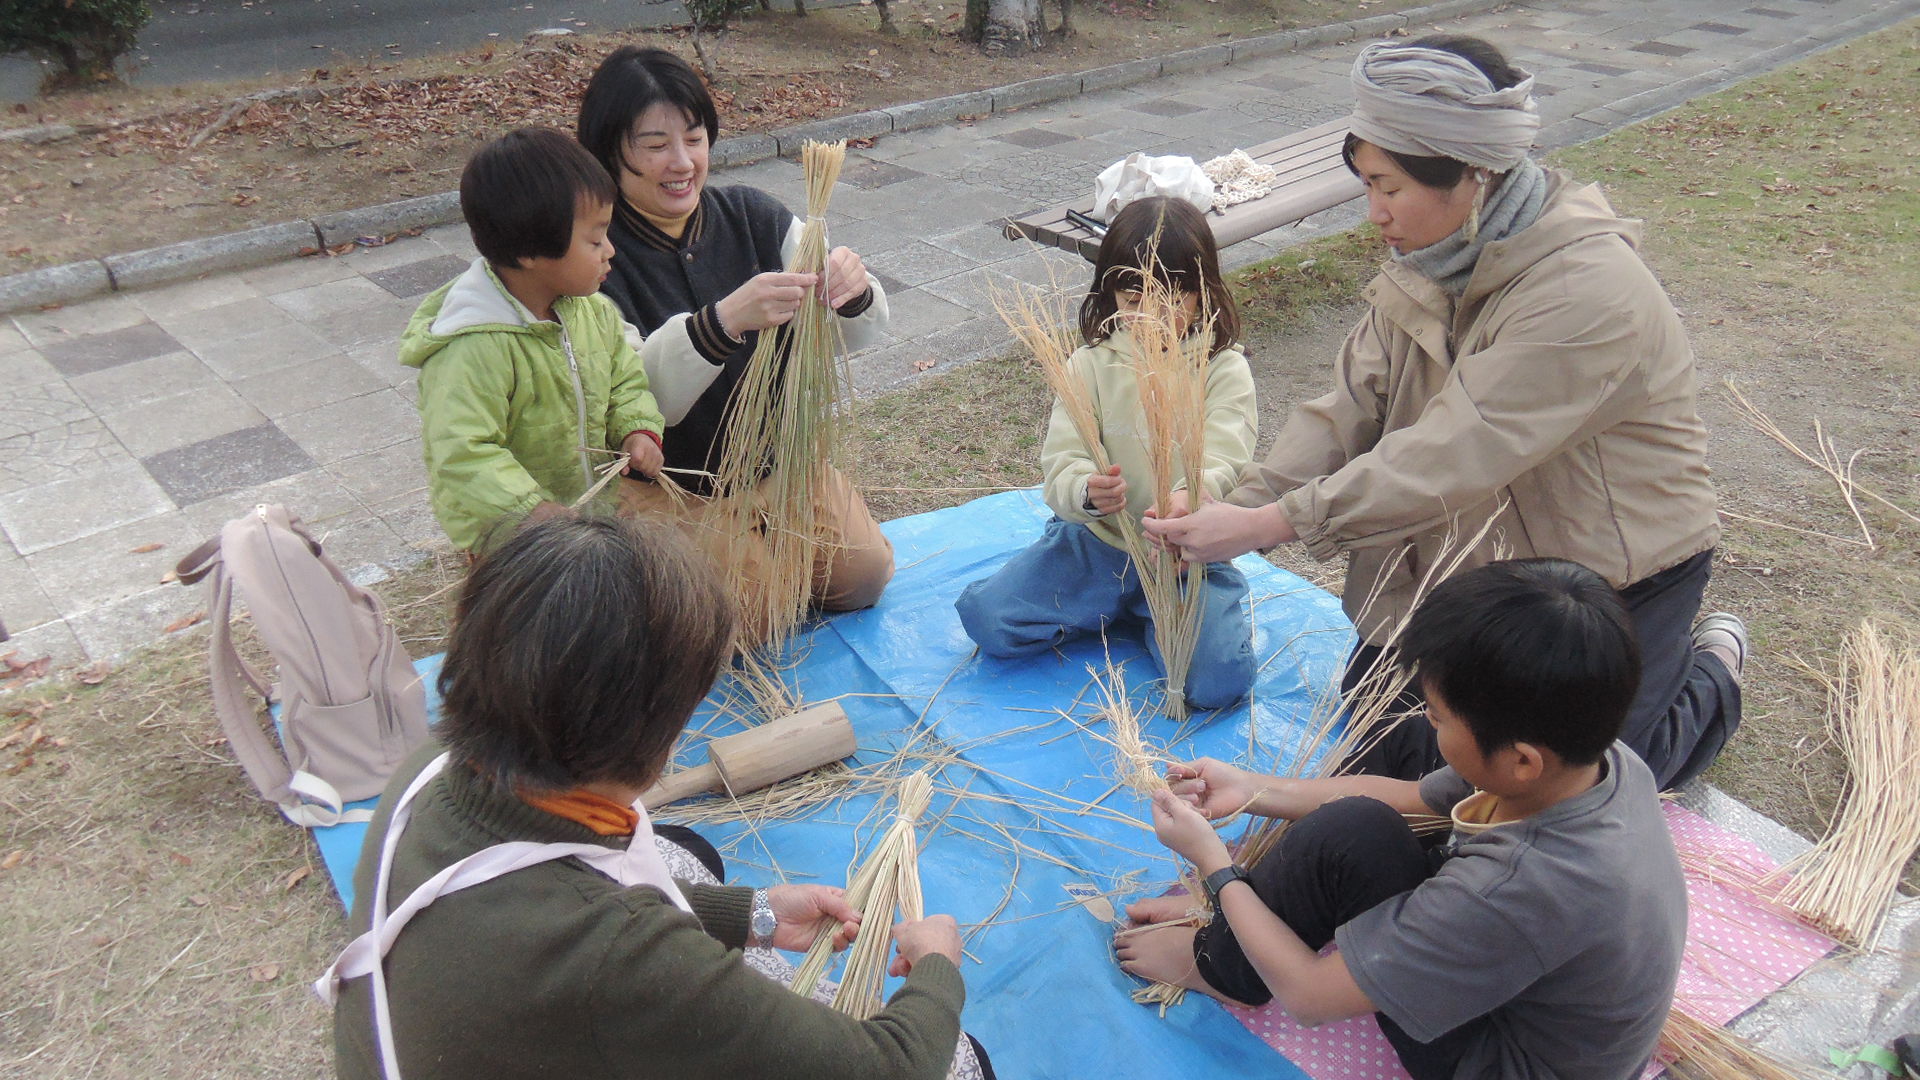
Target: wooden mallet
x: 761, y: 756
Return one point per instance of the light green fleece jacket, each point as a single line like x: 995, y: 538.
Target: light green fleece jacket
x: 1107, y: 367
x: 504, y: 411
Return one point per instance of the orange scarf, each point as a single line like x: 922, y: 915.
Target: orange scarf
x: 597, y: 812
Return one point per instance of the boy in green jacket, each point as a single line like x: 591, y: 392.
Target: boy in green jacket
x: 527, y: 382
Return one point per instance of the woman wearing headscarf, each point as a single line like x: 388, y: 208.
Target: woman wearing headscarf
x: 700, y: 271
x: 1520, y: 377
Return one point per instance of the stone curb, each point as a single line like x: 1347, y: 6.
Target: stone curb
x: 190, y: 258
x: 254, y: 247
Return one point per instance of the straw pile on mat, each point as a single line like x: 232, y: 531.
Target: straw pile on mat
x: 1846, y: 883
x: 1696, y: 1050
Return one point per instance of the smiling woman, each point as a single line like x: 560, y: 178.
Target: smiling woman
x: 701, y: 272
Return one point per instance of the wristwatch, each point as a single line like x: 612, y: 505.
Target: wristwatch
x: 1220, y: 879
x: 761, y: 925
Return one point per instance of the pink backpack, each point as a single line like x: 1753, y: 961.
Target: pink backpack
x: 351, y: 705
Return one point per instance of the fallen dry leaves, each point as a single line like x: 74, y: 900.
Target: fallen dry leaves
x: 184, y: 621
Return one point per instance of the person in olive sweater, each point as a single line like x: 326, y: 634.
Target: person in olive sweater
x: 565, y: 947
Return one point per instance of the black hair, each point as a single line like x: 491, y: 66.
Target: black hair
x: 580, y: 647
x: 521, y: 192
x: 1444, y: 173
x: 628, y: 82
x: 1540, y: 651
x: 1172, y: 238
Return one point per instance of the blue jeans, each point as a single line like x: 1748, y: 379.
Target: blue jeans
x: 1070, y: 582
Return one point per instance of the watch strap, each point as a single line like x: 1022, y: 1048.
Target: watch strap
x: 1221, y: 878
x: 761, y: 924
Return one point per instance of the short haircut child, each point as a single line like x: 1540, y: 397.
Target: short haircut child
x: 1540, y: 651
x: 1172, y: 240
x: 580, y: 648
x: 630, y: 81
x: 521, y: 192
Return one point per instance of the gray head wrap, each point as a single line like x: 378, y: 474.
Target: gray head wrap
x: 1433, y: 103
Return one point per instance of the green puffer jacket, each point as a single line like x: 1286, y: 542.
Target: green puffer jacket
x: 502, y: 416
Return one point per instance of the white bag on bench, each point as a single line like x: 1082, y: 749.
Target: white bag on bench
x: 1138, y: 176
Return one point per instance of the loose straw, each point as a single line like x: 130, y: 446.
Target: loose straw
x: 889, y: 879
x: 1846, y: 883
x: 1828, y: 461
x: 1342, y: 727
x: 1696, y: 1050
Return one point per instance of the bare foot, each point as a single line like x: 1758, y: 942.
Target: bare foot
x: 1161, y: 909
x: 1165, y: 956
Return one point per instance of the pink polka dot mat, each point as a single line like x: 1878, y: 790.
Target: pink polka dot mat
x: 1740, y: 948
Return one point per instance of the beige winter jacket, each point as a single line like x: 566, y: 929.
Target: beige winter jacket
x: 1559, y: 394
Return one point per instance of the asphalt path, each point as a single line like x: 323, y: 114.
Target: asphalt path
x: 192, y: 41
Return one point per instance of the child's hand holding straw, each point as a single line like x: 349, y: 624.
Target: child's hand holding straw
x: 643, y: 454
x: 1187, y: 833
x: 1107, y: 491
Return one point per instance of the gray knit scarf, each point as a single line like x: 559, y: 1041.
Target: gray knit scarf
x: 1513, y: 206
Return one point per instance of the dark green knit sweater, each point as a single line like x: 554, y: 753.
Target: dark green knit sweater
x: 557, y: 971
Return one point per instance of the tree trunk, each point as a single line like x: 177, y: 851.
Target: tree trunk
x: 1008, y: 27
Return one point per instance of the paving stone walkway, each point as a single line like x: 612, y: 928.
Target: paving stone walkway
x: 151, y: 418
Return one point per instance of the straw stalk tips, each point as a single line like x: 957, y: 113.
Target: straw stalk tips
x: 889, y: 879
x: 1845, y: 884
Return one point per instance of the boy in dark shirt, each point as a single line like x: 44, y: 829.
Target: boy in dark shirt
x: 1543, y: 941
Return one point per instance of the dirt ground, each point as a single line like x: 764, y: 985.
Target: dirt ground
x: 160, y: 921
x: 171, y: 165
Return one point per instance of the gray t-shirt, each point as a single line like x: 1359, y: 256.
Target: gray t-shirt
x: 1566, y: 928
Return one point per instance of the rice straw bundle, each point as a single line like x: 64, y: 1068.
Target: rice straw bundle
x: 1696, y: 1050
x: 1171, y: 366
x: 1845, y: 884
x: 889, y: 879
x: 782, y: 435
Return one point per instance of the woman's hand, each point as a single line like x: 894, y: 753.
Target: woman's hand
x: 1176, y: 508
x: 1107, y: 491
x: 1219, y: 531
x: 798, y: 911
x: 846, y: 278
x: 764, y: 302
x: 643, y: 454
x: 914, y: 941
x: 1215, y: 788
x: 1181, y: 828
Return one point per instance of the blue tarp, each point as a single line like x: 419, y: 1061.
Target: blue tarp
x: 1043, y: 992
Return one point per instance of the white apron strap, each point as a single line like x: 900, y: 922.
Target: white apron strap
x: 639, y: 864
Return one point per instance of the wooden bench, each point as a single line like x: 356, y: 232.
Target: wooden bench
x: 1312, y: 178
